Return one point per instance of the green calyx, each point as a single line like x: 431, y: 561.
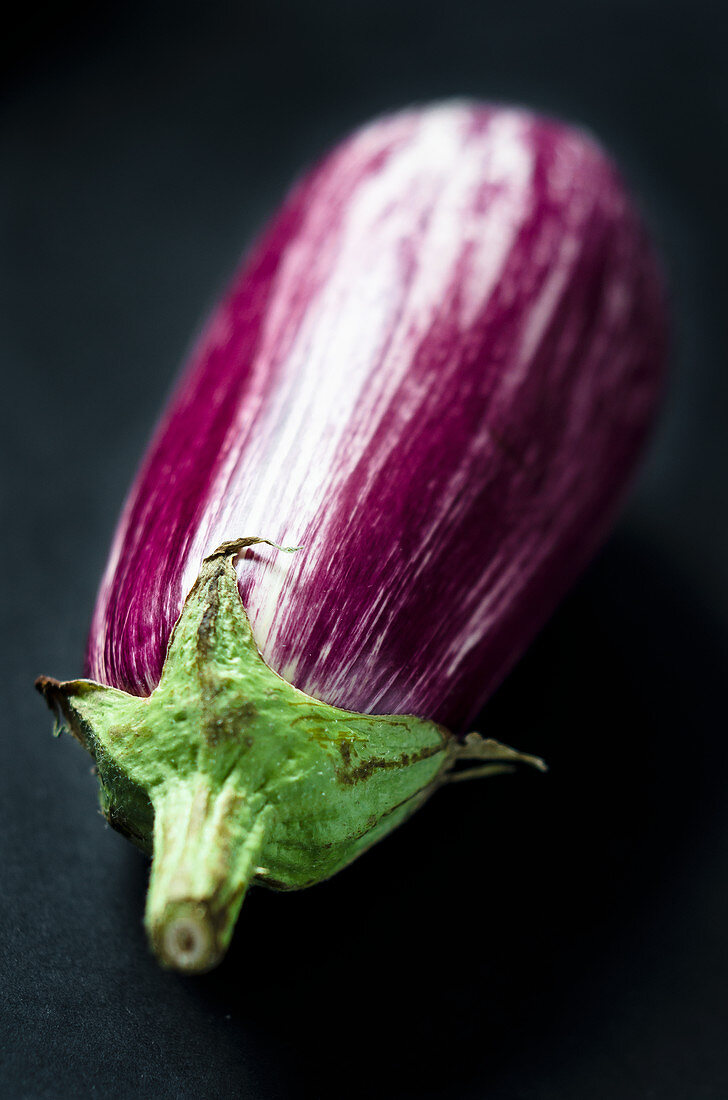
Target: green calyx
x: 227, y: 774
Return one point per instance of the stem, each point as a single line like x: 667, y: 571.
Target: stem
x: 206, y: 851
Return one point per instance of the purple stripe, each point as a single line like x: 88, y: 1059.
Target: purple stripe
x: 435, y: 373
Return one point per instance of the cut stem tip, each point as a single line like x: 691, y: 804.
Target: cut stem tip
x: 185, y: 940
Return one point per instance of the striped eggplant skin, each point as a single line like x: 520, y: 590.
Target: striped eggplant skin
x: 434, y: 373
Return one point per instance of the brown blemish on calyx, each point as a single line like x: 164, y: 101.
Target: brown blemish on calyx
x: 349, y: 775
x: 228, y: 727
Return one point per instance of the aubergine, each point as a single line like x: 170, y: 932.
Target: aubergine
x: 429, y: 383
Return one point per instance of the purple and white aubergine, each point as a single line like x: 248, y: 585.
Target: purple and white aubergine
x: 431, y: 379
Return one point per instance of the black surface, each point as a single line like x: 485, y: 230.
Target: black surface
x: 549, y: 938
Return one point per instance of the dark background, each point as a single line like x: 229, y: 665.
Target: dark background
x: 550, y: 938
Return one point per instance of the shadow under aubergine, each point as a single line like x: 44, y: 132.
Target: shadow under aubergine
x: 503, y: 923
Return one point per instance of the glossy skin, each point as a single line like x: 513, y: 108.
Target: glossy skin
x: 434, y: 373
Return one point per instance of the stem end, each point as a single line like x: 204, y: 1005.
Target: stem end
x: 185, y: 938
